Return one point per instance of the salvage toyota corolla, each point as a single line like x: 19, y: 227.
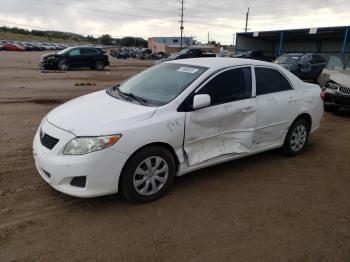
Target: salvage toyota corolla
x: 171, y: 119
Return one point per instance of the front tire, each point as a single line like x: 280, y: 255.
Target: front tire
x: 148, y: 174
x: 99, y: 65
x: 63, y: 65
x: 296, y: 138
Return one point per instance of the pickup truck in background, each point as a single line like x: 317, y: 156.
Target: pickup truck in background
x: 188, y: 53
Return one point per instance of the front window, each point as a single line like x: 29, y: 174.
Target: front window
x: 64, y: 50
x: 229, y: 86
x: 74, y: 52
x: 184, y: 51
x: 161, y: 84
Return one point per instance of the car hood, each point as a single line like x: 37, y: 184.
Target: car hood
x: 45, y: 56
x: 341, y: 77
x: 98, y: 114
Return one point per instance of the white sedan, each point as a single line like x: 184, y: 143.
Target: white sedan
x: 171, y: 119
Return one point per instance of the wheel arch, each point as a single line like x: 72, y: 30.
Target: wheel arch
x: 305, y: 116
x: 160, y: 144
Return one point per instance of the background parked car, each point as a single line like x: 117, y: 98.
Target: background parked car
x: 335, y: 82
x: 12, y: 47
x: 256, y: 55
x: 189, y: 53
x: 306, y: 66
x: 75, y: 57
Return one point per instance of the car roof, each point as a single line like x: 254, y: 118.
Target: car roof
x: 294, y: 54
x: 219, y: 62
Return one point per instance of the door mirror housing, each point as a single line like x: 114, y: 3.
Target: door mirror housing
x: 200, y: 101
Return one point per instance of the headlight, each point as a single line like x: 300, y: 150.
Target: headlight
x: 84, y: 145
x: 332, y: 85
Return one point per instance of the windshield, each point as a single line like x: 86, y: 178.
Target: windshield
x: 64, y: 50
x: 288, y: 59
x: 184, y: 51
x: 162, y: 83
x: 334, y: 62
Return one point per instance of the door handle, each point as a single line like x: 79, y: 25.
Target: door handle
x: 248, y: 110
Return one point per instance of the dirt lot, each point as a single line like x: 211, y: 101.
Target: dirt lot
x: 262, y: 208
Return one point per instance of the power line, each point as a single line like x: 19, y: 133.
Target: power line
x: 181, y: 21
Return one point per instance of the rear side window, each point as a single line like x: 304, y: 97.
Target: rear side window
x: 270, y: 81
x: 231, y: 85
x: 89, y: 51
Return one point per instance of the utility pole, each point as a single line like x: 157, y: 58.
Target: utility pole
x: 208, y: 37
x: 182, y: 21
x: 246, y: 21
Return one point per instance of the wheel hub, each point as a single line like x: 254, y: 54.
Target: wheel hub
x: 150, y: 176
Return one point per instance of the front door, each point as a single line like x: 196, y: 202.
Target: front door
x: 74, y: 58
x: 227, y: 125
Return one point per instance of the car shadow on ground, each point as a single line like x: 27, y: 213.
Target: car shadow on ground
x: 343, y: 113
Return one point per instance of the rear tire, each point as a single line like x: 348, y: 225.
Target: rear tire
x: 99, y: 65
x: 147, y: 175
x: 296, y: 138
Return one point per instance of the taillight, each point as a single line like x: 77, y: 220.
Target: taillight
x: 322, y: 95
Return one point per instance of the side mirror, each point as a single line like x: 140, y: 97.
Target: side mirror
x: 200, y: 101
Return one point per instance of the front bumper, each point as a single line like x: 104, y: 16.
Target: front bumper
x: 101, y: 169
x: 337, y: 99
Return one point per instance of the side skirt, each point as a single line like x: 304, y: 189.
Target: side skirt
x: 185, y: 169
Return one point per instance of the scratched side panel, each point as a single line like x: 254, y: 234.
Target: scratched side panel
x: 219, y: 130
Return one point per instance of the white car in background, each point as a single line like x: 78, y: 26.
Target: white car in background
x: 171, y: 119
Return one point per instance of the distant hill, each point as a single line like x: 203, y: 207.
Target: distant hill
x: 15, y: 33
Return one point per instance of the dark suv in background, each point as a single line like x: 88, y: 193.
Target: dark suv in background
x: 75, y: 57
x: 256, y: 55
x: 306, y: 66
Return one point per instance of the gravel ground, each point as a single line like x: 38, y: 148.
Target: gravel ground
x: 261, y: 208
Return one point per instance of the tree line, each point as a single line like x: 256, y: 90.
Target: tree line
x: 105, y: 39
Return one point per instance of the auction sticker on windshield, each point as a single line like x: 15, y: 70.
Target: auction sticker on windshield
x: 187, y: 70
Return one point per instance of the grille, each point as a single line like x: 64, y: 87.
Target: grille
x: 47, y: 140
x: 344, y: 90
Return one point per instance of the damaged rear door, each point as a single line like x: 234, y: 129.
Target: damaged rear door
x: 227, y: 125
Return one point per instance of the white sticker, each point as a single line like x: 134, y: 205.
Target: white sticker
x: 187, y: 70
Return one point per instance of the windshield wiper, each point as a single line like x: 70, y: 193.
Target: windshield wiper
x: 116, y: 91
x: 133, y: 96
